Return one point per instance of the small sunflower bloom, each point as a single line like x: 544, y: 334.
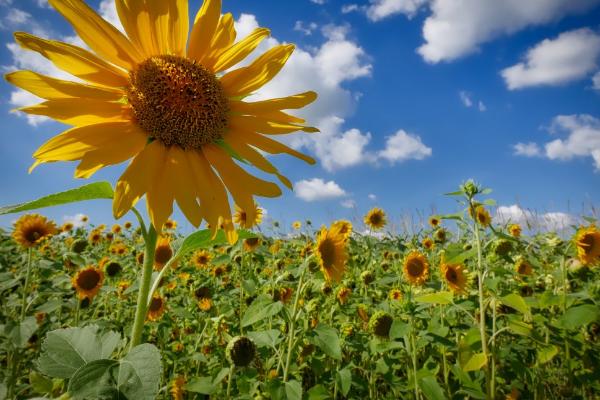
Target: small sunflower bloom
x: 252, y: 244
x: 95, y: 237
x: 514, y: 230
x: 116, y: 229
x: 456, y: 277
x: 428, y: 243
x: 87, y: 282
x: 163, y: 252
x: 170, y: 224
x: 587, y: 241
x: 434, y: 221
x: 67, y: 227
x: 157, y: 307
x: 523, y: 267
x: 395, y: 294
x: 375, y: 219
x: 32, y: 229
x: 344, y: 227
x: 416, y: 268
x: 297, y: 225
x: 248, y: 219
x: 205, y: 304
x: 482, y: 216
x: 201, y: 259
x: 343, y: 294
x: 331, y: 253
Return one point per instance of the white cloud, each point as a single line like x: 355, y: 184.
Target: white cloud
x: 348, y: 203
x: 306, y: 29
x: 457, y: 28
x: 403, y: 146
x: 76, y: 220
x: 317, y: 189
x: 482, y: 107
x: 465, y: 97
x: 380, y: 9
x: 372, y: 197
x: 319, y: 2
x: 108, y: 11
x: 571, y: 56
x: 596, y: 80
x: 43, y: 3
x: 527, y: 149
x: 550, y: 221
x: 348, y: 8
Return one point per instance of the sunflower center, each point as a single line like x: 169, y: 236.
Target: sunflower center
x: 588, y: 243
x: 376, y: 219
x: 163, y: 254
x: 178, y: 101
x: 327, y: 252
x: 33, y: 235
x: 415, y: 268
x: 155, y: 304
x: 451, y: 275
x: 88, y: 279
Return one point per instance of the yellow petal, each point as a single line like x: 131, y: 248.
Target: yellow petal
x: 182, y: 181
x: 222, y: 40
x: 74, y: 143
x: 284, y: 103
x: 103, y: 38
x: 204, y: 28
x: 80, y: 112
x: 240, y: 50
x: 51, y: 88
x: 270, y: 145
x: 74, y: 60
x: 245, y: 80
x: 136, y: 179
x: 257, y: 124
x: 159, y: 195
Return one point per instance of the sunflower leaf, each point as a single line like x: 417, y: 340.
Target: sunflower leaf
x: 204, y: 238
x: 92, y: 191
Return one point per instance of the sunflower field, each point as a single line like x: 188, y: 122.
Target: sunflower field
x: 463, y: 309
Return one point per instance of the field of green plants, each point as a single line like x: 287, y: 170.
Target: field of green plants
x: 466, y: 308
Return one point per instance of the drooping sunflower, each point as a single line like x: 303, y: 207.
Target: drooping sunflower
x: 523, y: 267
x: 375, y: 219
x: 587, y: 241
x: 163, y: 252
x: 156, y: 308
x: 87, y: 282
x: 175, y: 107
x: 343, y: 294
x: 456, y: 276
x: 241, y: 217
x: 416, y: 268
x: 201, y: 258
x: 330, y: 251
x: 514, y: 230
x: 31, y: 229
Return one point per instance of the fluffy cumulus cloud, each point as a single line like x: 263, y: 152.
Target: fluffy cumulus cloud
x: 76, y: 220
x: 455, y: 29
x: 581, y: 139
x: 529, y: 219
x: 380, y: 9
x: 317, y: 189
x: 570, y: 56
x: 403, y: 146
x: 596, y: 80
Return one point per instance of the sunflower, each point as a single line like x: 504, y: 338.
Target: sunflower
x: 84, y: 219
x: 177, y: 388
x: 205, y: 304
x: 95, y: 236
x: 163, y: 252
x: 31, y: 229
x: 127, y: 225
x: 175, y: 107
x: 241, y: 217
x: 252, y: 244
x: 482, y: 216
x: 345, y: 227
x: 342, y: 294
x: 201, y: 258
x: 67, y: 227
x: 456, y: 276
x: 523, y: 267
x: 156, y: 308
x: 297, y: 225
x: 87, y: 282
x: 587, y: 241
x: 375, y: 219
x: 514, y: 230
x: 416, y: 268
x: 170, y: 224
x: 434, y: 221
x: 116, y: 229
x: 428, y: 243
x: 331, y: 253
x: 395, y: 294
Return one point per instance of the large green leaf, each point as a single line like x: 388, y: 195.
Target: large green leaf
x: 476, y: 362
x: 327, y: 339
x: 517, y: 302
x: 435, y: 298
x: 579, y: 316
x: 345, y: 380
x: 431, y: 388
x: 204, y: 238
x: 91, y: 380
x: 92, y: 191
x: 140, y: 372
x: 261, y: 308
x: 293, y: 390
x: 19, y: 333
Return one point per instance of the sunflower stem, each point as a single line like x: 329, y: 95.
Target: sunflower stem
x: 26, y: 287
x: 142, y: 300
x: 292, y: 324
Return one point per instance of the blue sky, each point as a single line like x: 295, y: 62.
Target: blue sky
x: 416, y: 96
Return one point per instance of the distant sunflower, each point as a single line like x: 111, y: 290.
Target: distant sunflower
x: 127, y: 225
x: 434, y: 221
x: 116, y: 229
x: 248, y: 219
x: 31, y: 229
x: 587, y: 241
x: 297, y: 225
x: 395, y: 294
x: 331, y: 253
x: 156, y: 308
x: 342, y: 294
x: 345, y: 227
x: 167, y: 96
x: 514, y: 230
x: 416, y: 268
x: 67, y: 227
x: 87, y: 282
x: 482, y: 216
x: 440, y: 235
x: 375, y: 219
x: 252, y: 244
x: 428, y: 243
x: 523, y: 267
x: 95, y: 237
x: 163, y: 252
x: 201, y: 258
x: 456, y: 276
x: 170, y: 224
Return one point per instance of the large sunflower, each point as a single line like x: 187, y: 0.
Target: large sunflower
x: 31, y: 229
x: 375, y: 219
x: 331, y: 252
x: 416, y: 268
x: 456, y: 276
x: 175, y: 107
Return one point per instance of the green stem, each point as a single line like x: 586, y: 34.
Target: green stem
x: 241, y: 290
x: 292, y: 325
x: 229, y: 379
x: 413, y: 354
x: 493, y: 352
x: 26, y: 287
x: 482, y: 333
x: 77, y: 308
x: 563, y: 268
x: 142, y: 300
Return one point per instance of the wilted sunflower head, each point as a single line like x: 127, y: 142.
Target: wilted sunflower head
x: 375, y: 219
x: 587, y: 241
x: 87, y: 282
x: 252, y: 244
x: 79, y: 245
x: 502, y: 247
x: 163, y: 252
x: 156, y: 308
x: 523, y: 267
x: 416, y: 268
x: 330, y: 251
x: 31, y: 229
x: 240, y: 351
x: 112, y: 268
x: 456, y: 277
x: 514, y: 230
x: 201, y: 258
x: 166, y: 95
x: 367, y: 277
x: 248, y: 219
x: 380, y: 324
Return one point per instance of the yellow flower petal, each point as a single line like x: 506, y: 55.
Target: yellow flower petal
x: 266, y: 106
x: 265, y: 126
x: 240, y: 50
x: 80, y: 112
x: 51, y: 88
x: 74, y: 60
x: 271, y: 146
x: 102, y: 37
x: 184, y: 192
x: 159, y: 196
x: 204, y: 28
x: 245, y: 80
x: 222, y: 40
